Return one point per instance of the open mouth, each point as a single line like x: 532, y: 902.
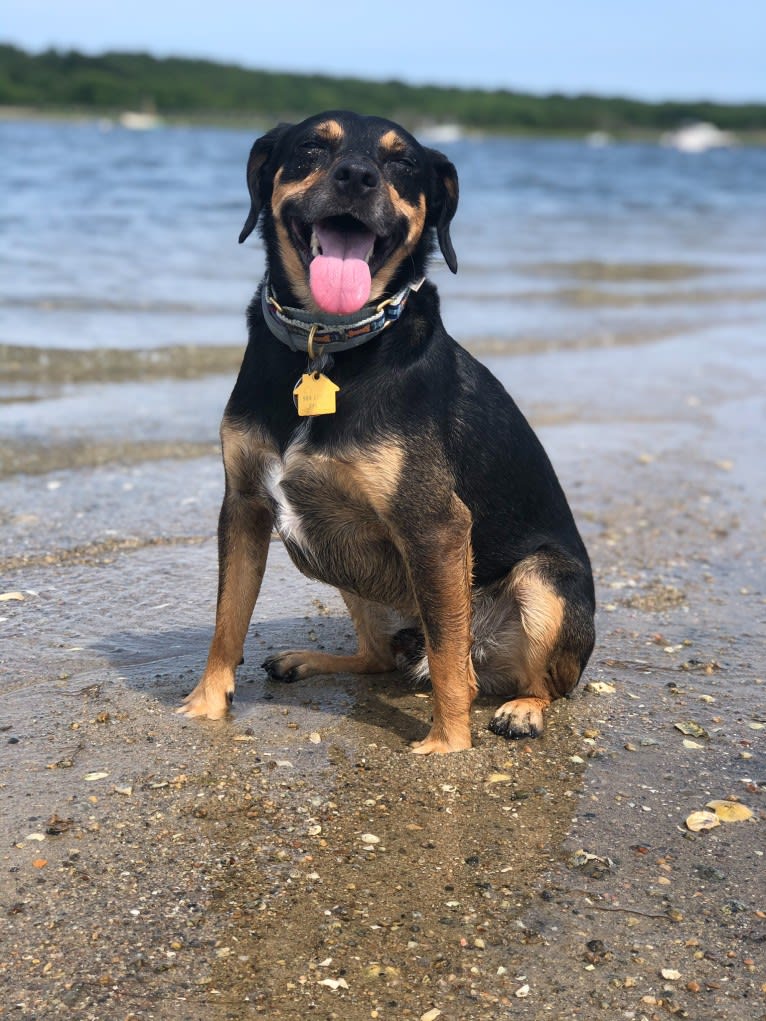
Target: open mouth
x: 342, y: 255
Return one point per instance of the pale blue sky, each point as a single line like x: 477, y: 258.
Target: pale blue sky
x: 653, y: 49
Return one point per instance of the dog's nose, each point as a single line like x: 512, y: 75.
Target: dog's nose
x: 355, y: 176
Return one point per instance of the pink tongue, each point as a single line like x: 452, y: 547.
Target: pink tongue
x: 339, y: 277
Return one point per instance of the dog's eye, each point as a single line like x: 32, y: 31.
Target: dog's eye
x: 404, y: 162
x: 312, y: 145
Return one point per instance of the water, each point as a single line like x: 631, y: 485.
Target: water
x: 128, y: 240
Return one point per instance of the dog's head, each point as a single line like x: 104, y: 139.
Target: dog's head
x: 348, y: 207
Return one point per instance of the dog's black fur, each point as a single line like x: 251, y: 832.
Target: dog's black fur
x: 426, y: 498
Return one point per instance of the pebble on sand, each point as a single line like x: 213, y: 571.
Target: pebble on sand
x: 600, y: 688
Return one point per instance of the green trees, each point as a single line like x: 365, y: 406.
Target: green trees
x: 180, y: 87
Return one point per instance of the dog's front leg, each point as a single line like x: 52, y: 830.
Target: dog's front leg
x: 439, y: 562
x: 244, y: 532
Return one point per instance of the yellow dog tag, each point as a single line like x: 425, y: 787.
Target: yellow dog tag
x: 314, y: 394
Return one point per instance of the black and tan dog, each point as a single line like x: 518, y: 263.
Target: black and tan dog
x: 424, y: 496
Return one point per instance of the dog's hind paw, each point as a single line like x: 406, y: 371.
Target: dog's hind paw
x: 282, y: 668
x: 521, y: 717
x: 409, y: 649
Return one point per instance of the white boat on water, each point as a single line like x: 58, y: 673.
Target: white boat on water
x: 441, y: 133
x: 698, y: 137
x: 135, y: 120
x: 598, y: 139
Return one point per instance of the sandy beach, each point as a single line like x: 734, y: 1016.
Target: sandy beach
x: 296, y: 860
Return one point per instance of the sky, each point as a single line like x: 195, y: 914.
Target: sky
x: 652, y: 49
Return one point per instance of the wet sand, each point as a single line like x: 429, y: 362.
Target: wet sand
x: 296, y: 860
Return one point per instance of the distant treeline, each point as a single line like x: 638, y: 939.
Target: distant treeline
x: 70, y: 80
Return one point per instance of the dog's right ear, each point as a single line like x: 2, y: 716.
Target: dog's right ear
x: 258, y: 181
x: 443, y: 203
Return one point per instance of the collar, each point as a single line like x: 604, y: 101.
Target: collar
x: 300, y: 330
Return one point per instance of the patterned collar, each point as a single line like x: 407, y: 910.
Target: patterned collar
x: 301, y: 330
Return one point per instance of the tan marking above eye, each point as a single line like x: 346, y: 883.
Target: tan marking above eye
x: 330, y: 131
x: 391, y: 143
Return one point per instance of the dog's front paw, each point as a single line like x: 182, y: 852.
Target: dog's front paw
x: 211, y: 698
x: 440, y: 743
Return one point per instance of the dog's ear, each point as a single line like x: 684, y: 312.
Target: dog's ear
x: 443, y: 204
x: 258, y: 181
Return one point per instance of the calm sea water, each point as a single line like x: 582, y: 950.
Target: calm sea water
x: 120, y: 239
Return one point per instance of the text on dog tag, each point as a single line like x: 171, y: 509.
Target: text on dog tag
x: 314, y: 394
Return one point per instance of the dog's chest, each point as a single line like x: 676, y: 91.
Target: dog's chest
x: 287, y: 509
x: 330, y: 527
x: 316, y: 503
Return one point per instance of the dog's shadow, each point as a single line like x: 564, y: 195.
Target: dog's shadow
x: 166, y: 665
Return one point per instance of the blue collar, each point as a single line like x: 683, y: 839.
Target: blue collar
x: 301, y: 330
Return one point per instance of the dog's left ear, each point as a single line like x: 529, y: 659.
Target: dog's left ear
x: 443, y: 204
x: 258, y: 181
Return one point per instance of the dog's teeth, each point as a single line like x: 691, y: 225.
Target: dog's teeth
x: 316, y: 248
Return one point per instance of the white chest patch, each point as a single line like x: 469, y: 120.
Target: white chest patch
x: 288, y: 520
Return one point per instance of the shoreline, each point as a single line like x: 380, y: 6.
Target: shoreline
x: 243, y: 121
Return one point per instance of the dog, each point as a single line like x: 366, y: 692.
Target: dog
x: 394, y: 466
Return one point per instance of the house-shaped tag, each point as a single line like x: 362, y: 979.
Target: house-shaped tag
x: 314, y: 394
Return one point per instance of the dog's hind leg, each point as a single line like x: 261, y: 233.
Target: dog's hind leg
x: 533, y: 639
x: 373, y: 624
